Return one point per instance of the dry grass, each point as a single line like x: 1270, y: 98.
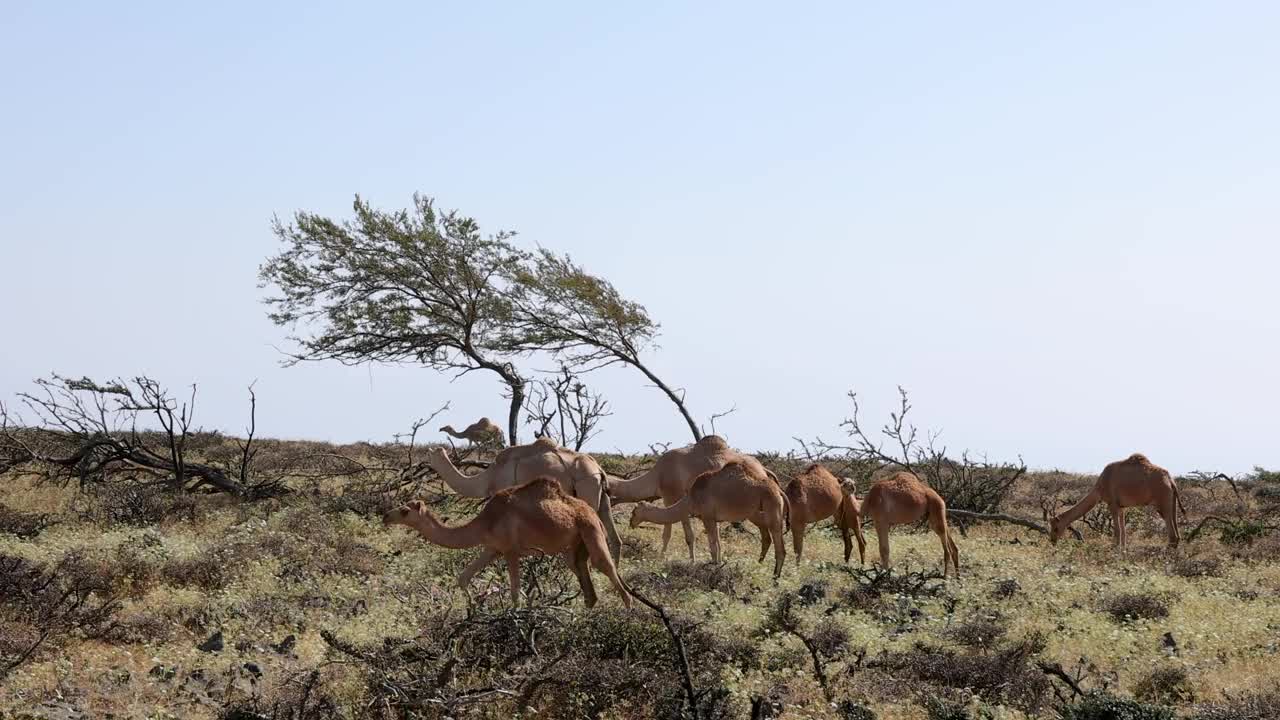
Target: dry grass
x: 307, y: 565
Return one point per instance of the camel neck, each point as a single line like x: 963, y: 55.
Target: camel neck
x: 466, y: 485
x: 644, y: 487
x: 464, y: 536
x: 1079, y: 509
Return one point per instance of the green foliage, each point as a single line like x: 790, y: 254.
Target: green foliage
x: 1104, y: 706
x: 414, y: 284
x: 1166, y: 685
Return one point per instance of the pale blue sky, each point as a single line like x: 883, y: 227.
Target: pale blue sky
x: 1056, y: 227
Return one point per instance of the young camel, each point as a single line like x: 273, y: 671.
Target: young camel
x: 671, y: 477
x: 578, y: 474
x: 536, y: 518
x: 480, y: 432
x: 901, y: 499
x: 1132, y: 482
x: 741, y: 490
x: 816, y: 494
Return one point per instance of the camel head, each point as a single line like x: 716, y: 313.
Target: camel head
x: 849, y: 487
x: 1056, y: 528
x: 404, y: 514
x: 437, y: 455
x: 447, y: 429
x: 636, y: 520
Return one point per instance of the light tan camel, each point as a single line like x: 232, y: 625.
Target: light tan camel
x: 671, y: 477
x: 901, y: 499
x: 1132, y: 482
x: 480, y: 432
x: 578, y: 474
x: 816, y: 494
x: 741, y: 490
x: 536, y: 518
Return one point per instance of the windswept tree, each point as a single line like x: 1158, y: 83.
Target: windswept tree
x: 416, y: 285
x: 558, y: 307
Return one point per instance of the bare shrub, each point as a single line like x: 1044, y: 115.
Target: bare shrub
x: 40, y: 605
x: 1206, y: 566
x: 1128, y: 607
x: 980, y: 633
x: 1166, y: 685
x: 1005, y: 589
x: 21, y: 524
x: 139, y: 506
x: 1005, y: 677
x: 1100, y: 705
x: 680, y: 576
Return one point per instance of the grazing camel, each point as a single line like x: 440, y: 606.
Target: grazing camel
x: 816, y: 494
x: 741, y: 490
x: 535, y: 518
x: 480, y: 432
x: 901, y: 499
x: 1132, y: 482
x: 578, y: 474
x: 671, y: 477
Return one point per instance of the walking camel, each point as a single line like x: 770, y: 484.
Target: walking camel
x: 742, y: 490
x: 1132, y: 482
x: 901, y: 499
x: 670, y: 478
x: 531, y: 519
x: 577, y: 473
x: 480, y: 432
x: 815, y: 495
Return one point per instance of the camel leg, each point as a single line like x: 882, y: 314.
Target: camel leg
x: 1121, y: 532
x: 862, y: 543
x: 513, y: 575
x: 482, y: 561
x: 848, y: 540
x: 1169, y: 511
x: 605, y: 513
x: 797, y: 538
x: 882, y: 532
x: 765, y: 542
x: 600, y: 558
x: 577, y: 559
x: 713, y: 538
x: 666, y: 539
x: 687, y: 525
x: 779, y: 549
x: 955, y: 552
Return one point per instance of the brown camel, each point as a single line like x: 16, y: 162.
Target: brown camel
x: 480, y: 432
x: 741, y: 490
x: 671, y: 477
x: 814, y: 495
x: 578, y: 474
x: 536, y: 518
x: 1132, y: 482
x: 901, y: 499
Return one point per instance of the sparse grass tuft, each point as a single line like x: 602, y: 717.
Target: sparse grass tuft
x: 1128, y: 607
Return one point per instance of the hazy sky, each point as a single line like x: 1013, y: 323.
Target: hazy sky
x: 1056, y: 227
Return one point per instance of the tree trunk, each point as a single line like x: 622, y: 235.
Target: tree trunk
x: 693, y: 426
x: 517, y: 402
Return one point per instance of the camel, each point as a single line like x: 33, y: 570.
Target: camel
x: 671, y: 477
x: 1132, y: 482
x: 901, y: 499
x: 816, y: 494
x: 741, y: 490
x: 530, y: 519
x: 480, y: 432
x: 578, y: 474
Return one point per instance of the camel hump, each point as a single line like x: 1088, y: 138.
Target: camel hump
x: 545, y: 443
x: 713, y: 442
x: 1138, y: 458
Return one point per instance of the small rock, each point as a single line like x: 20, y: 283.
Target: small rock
x: 213, y: 644
x: 285, y: 646
x: 253, y: 668
x: 162, y: 672
x: 1169, y: 643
